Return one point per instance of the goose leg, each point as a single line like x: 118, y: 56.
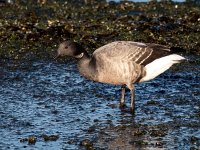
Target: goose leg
x: 132, y: 90
x: 122, y: 100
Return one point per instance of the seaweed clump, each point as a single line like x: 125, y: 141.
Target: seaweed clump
x: 31, y: 30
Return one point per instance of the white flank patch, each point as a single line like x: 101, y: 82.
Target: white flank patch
x: 160, y: 65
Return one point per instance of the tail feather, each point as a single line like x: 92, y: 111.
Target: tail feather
x: 160, y: 65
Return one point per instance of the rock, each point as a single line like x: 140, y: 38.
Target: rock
x: 50, y: 137
x: 32, y: 140
x: 87, y: 144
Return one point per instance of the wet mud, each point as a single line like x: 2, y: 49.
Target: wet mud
x: 48, y: 105
x: 31, y: 30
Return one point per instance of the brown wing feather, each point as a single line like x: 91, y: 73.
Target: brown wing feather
x: 158, y: 51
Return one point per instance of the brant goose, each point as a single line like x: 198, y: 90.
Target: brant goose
x: 122, y: 63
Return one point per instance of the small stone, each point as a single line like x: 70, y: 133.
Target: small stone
x: 23, y: 140
x: 96, y: 120
x: 86, y: 143
x: 50, y: 137
x: 152, y: 102
x: 32, y: 140
x: 91, y: 129
x: 159, y: 144
x: 194, y: 139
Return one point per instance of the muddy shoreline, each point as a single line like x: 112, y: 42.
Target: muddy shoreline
x: 31, y: 30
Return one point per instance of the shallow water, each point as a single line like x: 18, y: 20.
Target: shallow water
x: 51, y: 98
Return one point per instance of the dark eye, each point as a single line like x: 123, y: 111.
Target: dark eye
x: 66, y: 47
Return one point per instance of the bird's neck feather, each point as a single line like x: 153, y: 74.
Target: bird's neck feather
x: 86, y: 67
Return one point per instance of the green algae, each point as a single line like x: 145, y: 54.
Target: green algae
x: 30, y: 30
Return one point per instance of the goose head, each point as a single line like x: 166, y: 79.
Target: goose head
x: 70, y: 48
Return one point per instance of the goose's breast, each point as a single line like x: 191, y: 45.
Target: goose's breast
x: 117, y: 72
